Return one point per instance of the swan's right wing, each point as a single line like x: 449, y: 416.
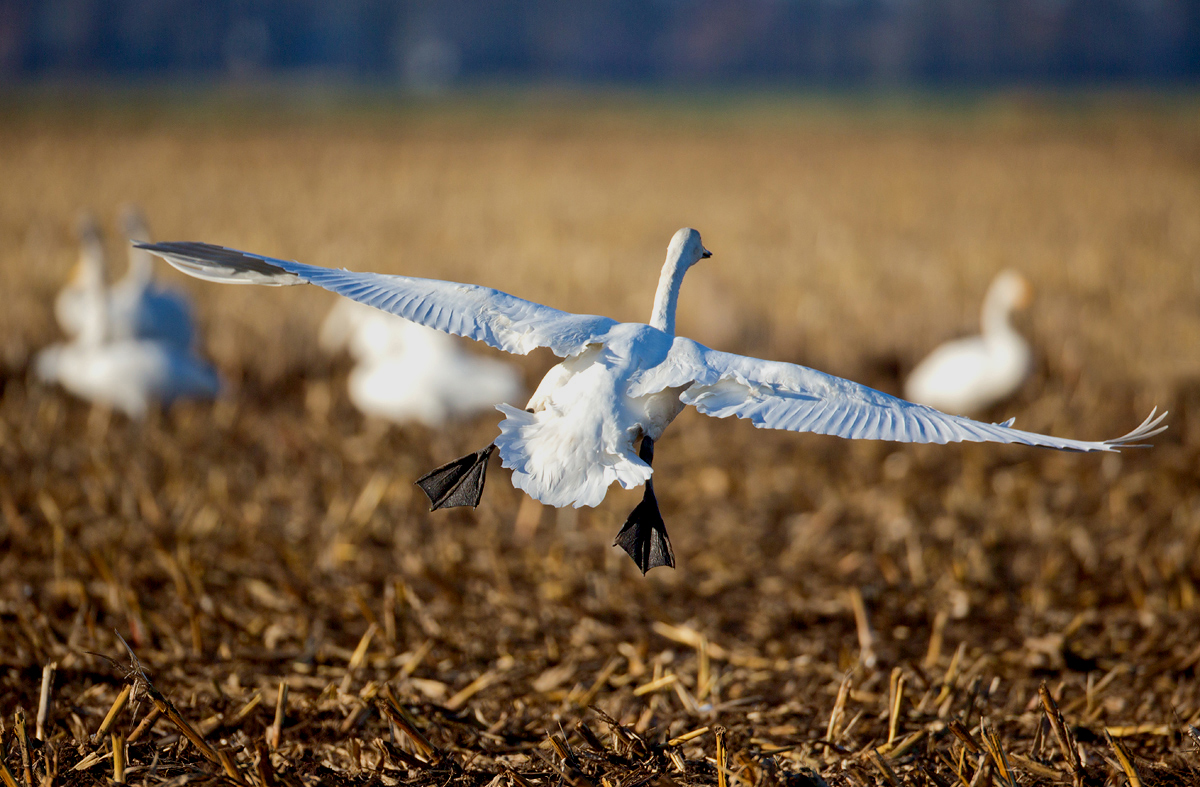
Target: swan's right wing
x: 505, y: 322
x: 776, y: 395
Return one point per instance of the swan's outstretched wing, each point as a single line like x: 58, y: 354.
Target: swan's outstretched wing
x: 481, y: 313
x: 775, y: 395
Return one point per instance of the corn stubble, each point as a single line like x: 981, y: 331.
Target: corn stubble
x: 842, y: 614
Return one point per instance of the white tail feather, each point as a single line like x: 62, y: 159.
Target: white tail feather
x: 555, y: 460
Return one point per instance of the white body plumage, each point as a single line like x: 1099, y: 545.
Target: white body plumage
x: 579, y: 431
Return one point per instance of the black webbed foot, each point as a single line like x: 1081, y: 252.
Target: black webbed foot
x: 644, y: 536
x: 457, y: 483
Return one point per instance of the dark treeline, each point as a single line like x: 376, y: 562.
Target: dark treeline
x: 432, y: 44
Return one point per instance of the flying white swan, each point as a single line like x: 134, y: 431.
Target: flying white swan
x: 619, y: 382
x: 970, y: 374
x: 407, y: 372
x: 135, y: 308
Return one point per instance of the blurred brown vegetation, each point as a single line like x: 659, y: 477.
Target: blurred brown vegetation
x: 276, y: 536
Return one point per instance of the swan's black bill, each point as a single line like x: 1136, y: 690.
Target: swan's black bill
x: 457, y: 483
x: 644, y: 536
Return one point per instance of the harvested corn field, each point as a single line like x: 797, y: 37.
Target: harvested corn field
x: 845, y: 612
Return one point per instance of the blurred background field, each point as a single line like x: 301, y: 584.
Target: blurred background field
x: 843, y: 232
x: 275, y: 535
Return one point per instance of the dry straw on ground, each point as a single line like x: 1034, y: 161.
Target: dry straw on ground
x: 845, y: 613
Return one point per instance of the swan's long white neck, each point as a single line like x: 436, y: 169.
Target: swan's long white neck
x: 666, y: 298
x: 996, y: 319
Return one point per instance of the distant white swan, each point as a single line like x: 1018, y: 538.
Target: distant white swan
x: 136, y: 308
x: 619, y: 382
x: 971, y: 374
x: 103, y: 362
x: 407, y: 372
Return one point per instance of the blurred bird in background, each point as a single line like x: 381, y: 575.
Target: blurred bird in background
x: 135, y: 307
x: 407, y: 372
x: 130, y: 343
x: 969, y: 375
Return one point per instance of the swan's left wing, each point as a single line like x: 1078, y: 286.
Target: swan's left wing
x: 505, y: 322
x: 775, y: 395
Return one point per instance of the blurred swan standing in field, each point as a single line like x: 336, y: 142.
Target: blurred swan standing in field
x: 106, y: 361
x: 970, y: 374
x: 135, y: 307
x: 407, y: 372
x: 619, y: 383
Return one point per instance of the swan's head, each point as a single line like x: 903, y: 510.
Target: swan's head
x: 687, y: 248
x: 1010, y: 291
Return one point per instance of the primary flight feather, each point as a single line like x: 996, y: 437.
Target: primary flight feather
x: 619, y: 383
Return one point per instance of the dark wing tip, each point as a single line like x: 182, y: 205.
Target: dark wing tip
x: 208, y: 254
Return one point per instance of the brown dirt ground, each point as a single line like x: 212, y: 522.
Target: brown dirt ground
x: 855, y: 613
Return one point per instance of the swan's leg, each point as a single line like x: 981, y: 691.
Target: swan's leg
x: 457, y: 483
x: 644, y: 536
